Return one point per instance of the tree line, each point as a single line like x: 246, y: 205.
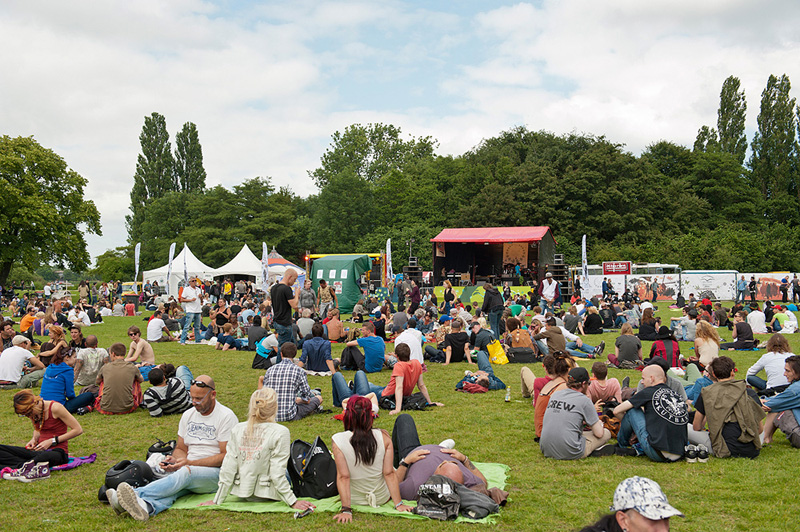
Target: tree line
x: 715, y: 205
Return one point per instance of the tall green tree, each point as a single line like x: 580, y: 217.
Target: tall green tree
x: 43, y: 213
x: 190, y: 176
x: 730, y: 119
x: 706, y: 139
x: 774, y: 144
x: 370, y: 152
x: 154, y: 175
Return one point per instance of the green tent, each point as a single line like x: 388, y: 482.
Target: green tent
x: 343, y: 273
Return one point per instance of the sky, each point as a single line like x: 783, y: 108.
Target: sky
x: 268, y: 83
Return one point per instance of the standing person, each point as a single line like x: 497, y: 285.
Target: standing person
x: 414, y: 296
x: 657, y: 416
x: 569, y: 410
x: 753, y: 287
x: 795, y: 289
x: 784, y: 288
x: 741, y: 290
x: 365, y: 474
x: 493, y: 306
x: 203, y: 434
x: 654, y: 289
x: 326, y: 295
x: 307, y: 298
x: 256, y: 457
x: 283, y: 301
x: 448, y: 297
x: 53, y: 427
x: 549, y: 291
x: 192, y: 299
x: 295, y: 398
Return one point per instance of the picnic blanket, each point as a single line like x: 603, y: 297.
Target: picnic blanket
x: 495, y: 475
x: 75, y: 461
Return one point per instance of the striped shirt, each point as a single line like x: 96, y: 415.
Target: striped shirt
x: 165, y: 400
x: 289, y: 382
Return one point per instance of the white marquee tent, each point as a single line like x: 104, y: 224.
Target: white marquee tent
x: 193, y: 267
x: 244, y: 263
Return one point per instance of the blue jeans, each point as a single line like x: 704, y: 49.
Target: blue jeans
x: 580, y: 352
x: 757, y: 382
x: 543, y: 304
x: 162, y: 493
x: 342, y: 391
x: 284, y: 333
x: 84, y: 399
x: 185, y: 376
x: 740, y: 294
x: 542, y: 347
x: 191, y: 318
x: 620, y: 321
x: 485, y: 365
x: 633, y: 423
x: 494, y: 321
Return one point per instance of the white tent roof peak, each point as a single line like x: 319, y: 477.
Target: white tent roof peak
x: 244, y: 263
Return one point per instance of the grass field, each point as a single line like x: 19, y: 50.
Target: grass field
x: 546, y: 495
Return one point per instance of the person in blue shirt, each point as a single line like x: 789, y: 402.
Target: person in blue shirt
x: 58, y: 383
x: 783, y: 410
x: 374, y: 356
x: 741, y: 289
x: 317, y: 352
x: 425, y: 326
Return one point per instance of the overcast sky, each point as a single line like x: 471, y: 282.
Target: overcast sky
x: 267, y: 83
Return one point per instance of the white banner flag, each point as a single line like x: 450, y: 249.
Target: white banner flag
x: 264, y: 267
x: 169, y: 264
x: 389, y: 272
x: 136, y: 251
x: 584, y: 262
x: 185, y: 271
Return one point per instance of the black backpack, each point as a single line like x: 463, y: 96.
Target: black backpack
x: 414, y: 401
x: 438, y: 499
x: 312, y: 470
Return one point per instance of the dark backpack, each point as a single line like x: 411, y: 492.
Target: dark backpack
x: 438, y: 499
x: 415, y: 401
x: 312, y: 470
x: 522, y: 355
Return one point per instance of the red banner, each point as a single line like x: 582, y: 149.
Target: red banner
x: 622, y: 267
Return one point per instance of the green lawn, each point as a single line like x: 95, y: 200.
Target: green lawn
x: 546, y: 495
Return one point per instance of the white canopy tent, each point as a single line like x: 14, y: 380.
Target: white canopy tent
x: 194, y: 267
x: 245, y: 263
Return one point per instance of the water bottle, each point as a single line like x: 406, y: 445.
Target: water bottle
x: 508, y: 395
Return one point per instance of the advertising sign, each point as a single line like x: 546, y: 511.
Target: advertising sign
x: 620, y: 267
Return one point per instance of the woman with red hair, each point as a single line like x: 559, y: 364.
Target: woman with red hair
x: 364, y: 471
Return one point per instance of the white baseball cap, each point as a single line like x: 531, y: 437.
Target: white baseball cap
x: 645, y: 496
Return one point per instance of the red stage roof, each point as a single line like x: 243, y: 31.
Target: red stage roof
x: 492, y: 234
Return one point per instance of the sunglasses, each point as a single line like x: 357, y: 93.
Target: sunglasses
x: 201, y: 384
x: 133, y: 334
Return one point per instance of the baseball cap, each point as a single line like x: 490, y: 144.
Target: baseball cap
x: 645, y: 496
x: 578, y: 375
x: 548, y: 274
x: 20, y: 339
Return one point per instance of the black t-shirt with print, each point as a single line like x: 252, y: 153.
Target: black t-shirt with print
x: 666, y: 417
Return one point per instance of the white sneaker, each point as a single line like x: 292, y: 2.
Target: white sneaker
x: 448, y: 444
x: 131, y: 502
x: 113, y: 500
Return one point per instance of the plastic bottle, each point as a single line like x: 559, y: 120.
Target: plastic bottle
x: 508, y: 395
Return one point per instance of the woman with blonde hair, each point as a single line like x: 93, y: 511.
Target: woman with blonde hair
x: 706, y: 345
x: 627, y: 348
x: 256, y: 457
x: 53, y: 426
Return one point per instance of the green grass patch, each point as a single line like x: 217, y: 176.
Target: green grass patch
x: 546, y: 495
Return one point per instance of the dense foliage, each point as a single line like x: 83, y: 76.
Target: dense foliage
x: 702, y: 208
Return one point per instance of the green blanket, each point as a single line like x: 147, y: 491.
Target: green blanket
x: 495, y: 475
